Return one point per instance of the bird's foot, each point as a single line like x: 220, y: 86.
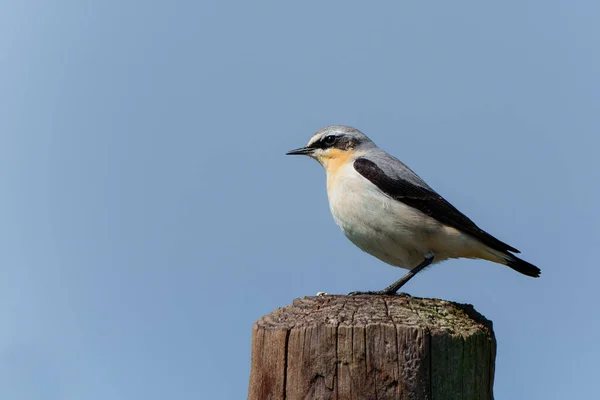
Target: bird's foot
x: 379, y: 293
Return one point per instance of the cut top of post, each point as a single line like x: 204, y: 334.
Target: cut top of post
x: 433, y: 314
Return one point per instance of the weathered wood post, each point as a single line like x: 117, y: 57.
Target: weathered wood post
x: 372, y: 347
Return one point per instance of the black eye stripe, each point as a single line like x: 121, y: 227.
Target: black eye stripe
x: 337, y: 142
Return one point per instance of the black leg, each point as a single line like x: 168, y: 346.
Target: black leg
x: 394, y: 287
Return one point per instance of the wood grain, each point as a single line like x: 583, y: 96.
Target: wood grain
x: 372, y: 347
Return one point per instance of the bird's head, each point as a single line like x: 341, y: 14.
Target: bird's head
x: 335, y: 145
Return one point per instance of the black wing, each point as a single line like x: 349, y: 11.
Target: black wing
x: 427, y: 201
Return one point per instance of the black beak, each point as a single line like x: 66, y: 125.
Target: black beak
x: 301, y: 151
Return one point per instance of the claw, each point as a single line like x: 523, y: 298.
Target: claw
x: 372, y: 293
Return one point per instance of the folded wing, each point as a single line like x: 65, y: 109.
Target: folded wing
x: 415, y: 193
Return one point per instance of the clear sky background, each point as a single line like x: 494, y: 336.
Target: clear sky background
x: 149, y: 215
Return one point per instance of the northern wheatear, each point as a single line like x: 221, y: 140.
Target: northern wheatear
x: 388, y: 211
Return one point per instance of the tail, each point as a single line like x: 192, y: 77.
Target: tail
x: 521, y: 266
x: 504, y: 257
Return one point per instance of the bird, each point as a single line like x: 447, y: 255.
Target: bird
x: 389, y: 212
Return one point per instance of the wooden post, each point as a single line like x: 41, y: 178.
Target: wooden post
x: 372, y: 347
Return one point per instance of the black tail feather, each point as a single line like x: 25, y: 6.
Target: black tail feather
x: 523, y: 266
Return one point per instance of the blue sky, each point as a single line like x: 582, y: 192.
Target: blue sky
x: 149, y: 215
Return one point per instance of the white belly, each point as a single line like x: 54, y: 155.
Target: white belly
x: 388, y: 229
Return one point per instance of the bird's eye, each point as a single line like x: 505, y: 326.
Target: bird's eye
x: 329, y: 140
